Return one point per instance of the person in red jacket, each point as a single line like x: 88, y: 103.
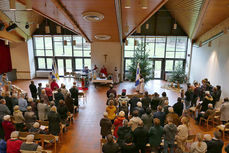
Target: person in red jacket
x: 8, y: 126
x: 14, y: 144
x: 48, y: 91
x: 118, y: 122
x: 54, y: 84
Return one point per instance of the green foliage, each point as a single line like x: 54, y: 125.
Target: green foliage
x: 142, y: 58
x: 178, y: 75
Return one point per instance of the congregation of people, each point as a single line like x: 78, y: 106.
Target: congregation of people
x: 143, y: 123
x: 20, y: 113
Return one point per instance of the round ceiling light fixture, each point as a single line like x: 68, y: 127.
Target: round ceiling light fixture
x: 93, y: 16
x: 102, y: 37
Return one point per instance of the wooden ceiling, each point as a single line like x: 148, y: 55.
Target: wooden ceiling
x: 196, y: 17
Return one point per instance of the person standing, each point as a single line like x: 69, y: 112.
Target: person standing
x: 216, y: 144
x: 224, y: 111
x: 74, y: 93
x: 115, y: 76
x: 22, y: 103
x: 33, y: 90
x: 54, y: 84
x: 140, y: 137
x: 140, y: 87
x: 54, y: 121
x: 106, y: 125
x: 110, y: 146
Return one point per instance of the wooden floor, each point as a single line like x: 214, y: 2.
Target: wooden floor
x: 84, y: 135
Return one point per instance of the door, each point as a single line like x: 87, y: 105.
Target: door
x: 64, y: 65
x: 157, y: 69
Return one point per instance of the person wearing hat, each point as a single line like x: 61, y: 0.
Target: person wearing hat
x: 106, y: 125
x: 207, y: 99
x: 8, y: 126
x: 118, y: 122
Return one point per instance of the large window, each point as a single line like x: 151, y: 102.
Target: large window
x: 171, y: 50
x: 72, y: 51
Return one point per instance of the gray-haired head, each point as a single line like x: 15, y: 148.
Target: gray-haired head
x: 14, y: 134
x: 29, y: 138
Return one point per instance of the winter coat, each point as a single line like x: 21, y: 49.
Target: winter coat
x: 8, y: 128
x: 69, y: 103
x: 224, y: 112
x: 58, y: 96
x: 145, y: 102
x: 160, y: 116
x: 122, y: 133
x: 14, y: 145
x: 4, y: 110
x: 110, y: 148
x: 155, y: 135
x: 140, y: 136
x: 42, y: 111
x: 215, y: 146
x: 30, y: 118
x: 105, y: 125
x: 178, y: 108
x: 14, y: 101
x: 170, y: 131
x: 195, y: 148
x: 117, y: 124
x: 147, y: 120
x: 111, y: 110
x: 18, y: 117
x: 62, y: 110
x: 54, y: 123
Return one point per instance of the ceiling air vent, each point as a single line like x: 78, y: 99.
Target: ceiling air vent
x: 92, y: 16
x: 102, y: 37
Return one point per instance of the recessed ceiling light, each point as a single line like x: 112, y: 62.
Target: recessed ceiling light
x: 93, y: 16
x: 127, y: 3
x: 144, y: 4
x: 102, y: 37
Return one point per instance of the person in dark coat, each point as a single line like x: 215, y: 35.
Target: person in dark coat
x: 156, y: 100
x: 188, y: 97
x: 58, y: 96
x: 227, y: 149
x: 9, y: 101
x: 110, y: 146
x: 140, y: 110
x: 74, y: 93
x: 215, y: 145
x: 4, y: 110
x: 14, y: 100
x: 140, y: 137
x: 147, y: 119
x: 123, y: 131
x: 39, y: 88
x: 129, y: 146
x: 54, y: 121
x: 160, y: 115
x: 178, y: 107
x: 146, y: 100
x: 69, y: 103
x: 105, y: 125
x: 111, y: 90
x: 133, y: 102
x: 62, y: 110
x: 196, y: 94
x: 8, y: 126
x: 207, y: 99
x: 33, y: 90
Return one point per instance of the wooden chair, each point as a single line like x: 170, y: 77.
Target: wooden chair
x: 44, y: 123
x: 192, y: 111
x: 191, y: 139
x: 216, y: 120
x: 50, y: 139
x: 25, y: 151
x: 209, y: 119
x: 223, y: 128
x: 22, y: 135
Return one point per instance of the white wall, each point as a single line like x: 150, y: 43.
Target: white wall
x: 113, y: 52
x: 31, y: 58
x: 212, y: 63
x: 21, y: 60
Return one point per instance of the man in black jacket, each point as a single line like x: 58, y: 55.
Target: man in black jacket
x: 146, y: 101
x: 133, y: 102
x: 140, y: 137
x: 58, y: 96
x: 33, y: 90
x: 110, y: 146
x: 215, y: 145
x: 178, y: 107
x: 74, y: 93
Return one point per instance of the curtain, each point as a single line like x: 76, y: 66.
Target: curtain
x: 5, y: 59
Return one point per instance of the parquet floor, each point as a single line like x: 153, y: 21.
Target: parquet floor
x: 84, y: 135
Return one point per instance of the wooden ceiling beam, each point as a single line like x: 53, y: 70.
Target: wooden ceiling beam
x: 147, y: 17
x: 118, y: 8
x: 11, y: 36
x: 70, y: 17
x: 200, y: 19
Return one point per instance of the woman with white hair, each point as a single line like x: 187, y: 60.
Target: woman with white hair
x: 8, y: 126
x: 14, y: 144
x: 54, y: 121
x: 19, y: 120
x: 44, y: 96
x: 29, y: 145
x: 118, y: 122
x: 36, y: 129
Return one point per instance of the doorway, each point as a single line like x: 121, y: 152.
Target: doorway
x: 157, y: 69
x: 64, y: 65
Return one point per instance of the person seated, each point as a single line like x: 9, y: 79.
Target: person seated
x: 178, y: 107
x: 123, y: 132
x: 2, y: 146
x: 206, y: 114
x: 30, y: 117
x: 8, y: 126
x: 128, y: 146
x: 155, y: 101
x: 224, y: 110
x: 207, y: 100
x: 139, y: 108
x: 106, y: 125
x: 110, y: 146
x: 146, y: 101
x: 207, y: 139
x: 134, y: 121
x: 200, y: 146
x: 216, y: 144
x: 29, y: 145
x: 160, y: 115
x: 36, y: 129
x: 62, y: 110
x: 14, y: 144
x: 118, y: 122
x: 174, y: 116
x: 111, y: 90
x: 103, y: 72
